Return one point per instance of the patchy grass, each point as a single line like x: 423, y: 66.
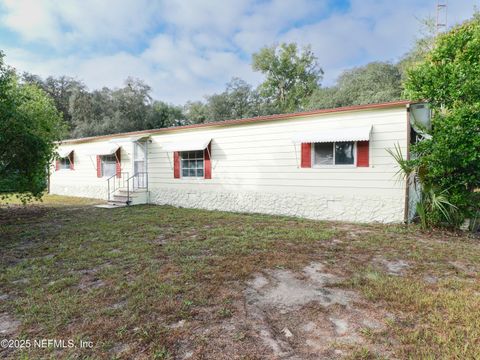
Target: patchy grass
x: 49, y: 200
x: 161, y: 282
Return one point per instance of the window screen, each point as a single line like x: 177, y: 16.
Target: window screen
x: 64, y: 163
x: 334, y: 153
x: 323, y: 154
x: 344, y: 153
x: 109, y: 165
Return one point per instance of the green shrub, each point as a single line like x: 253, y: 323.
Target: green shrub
x: 448, y: 163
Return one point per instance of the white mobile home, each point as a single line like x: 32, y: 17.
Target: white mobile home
x: 327, y: 164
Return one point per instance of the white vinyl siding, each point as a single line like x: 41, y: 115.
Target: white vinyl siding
x: 263, y: 157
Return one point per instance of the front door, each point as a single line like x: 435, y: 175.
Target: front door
x: 139, y: 165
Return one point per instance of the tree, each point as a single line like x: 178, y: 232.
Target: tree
x: 60, y: 89
x: 109, y: 111
x: 449, y: 79
x: 90, y: 111
x: 238, y: 101
x: 163, y: 115
x: 375, y: 82
x: 131, y: 104
x: 29, y: 126
x: 326, y: 98
x: 291, y: 75
x: 195, y: 112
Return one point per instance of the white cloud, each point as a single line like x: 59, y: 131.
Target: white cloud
x: 63, y: 24
x: 33, y: 20
x: 192, y: 48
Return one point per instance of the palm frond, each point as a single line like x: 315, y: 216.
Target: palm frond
x: 405, y: 169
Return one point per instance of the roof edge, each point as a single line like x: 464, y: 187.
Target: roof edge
x: 233, y: 122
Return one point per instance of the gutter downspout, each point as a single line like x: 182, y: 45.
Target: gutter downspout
x: 407, y: 187
x: 146, y: 169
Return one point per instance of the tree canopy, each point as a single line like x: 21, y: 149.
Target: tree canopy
x: 29, y: 126
x: 291, y: 75
x: 373, y: 83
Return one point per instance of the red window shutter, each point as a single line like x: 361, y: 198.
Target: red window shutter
x: 57, y: 165
x: 362, y: 154
x: 99, y: 166
x: 118, y: 168
x: 207, y: 162
x: 72, y: 165
x: 176, y: 165
x: 306, y: 161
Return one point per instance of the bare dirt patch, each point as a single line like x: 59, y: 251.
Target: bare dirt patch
x: 90, y: 279
x: 8, y: 324
x: 393, y: 267
x: 308, y: 315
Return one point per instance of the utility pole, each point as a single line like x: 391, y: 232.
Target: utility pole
x: 441, y: 20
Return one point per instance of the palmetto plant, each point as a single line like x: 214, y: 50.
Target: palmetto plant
x: 432, y: 204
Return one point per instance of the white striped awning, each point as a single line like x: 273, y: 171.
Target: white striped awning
x: 187, y: 144
x: 130, y: 138
x: 101, y: 149
x: 64, y: 152
x: 361, y: 133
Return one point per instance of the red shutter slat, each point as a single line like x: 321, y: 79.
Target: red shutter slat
x: 306, y: 161
x: 118, y: 168
x: 72, y: 165
x: 99, y: 166
x: 57, y: 165
x: 208, y: 163
x: 176, y: 165
x: 363, y: 154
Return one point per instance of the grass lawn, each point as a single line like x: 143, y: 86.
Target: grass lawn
x: 161, y: 282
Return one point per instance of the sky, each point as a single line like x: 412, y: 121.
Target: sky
x: 186, y: 49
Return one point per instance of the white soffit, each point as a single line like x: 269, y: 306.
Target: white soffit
x: 64, y: 152
x: 103, y: 149
x: 187, y: 144
x: 361, y: 133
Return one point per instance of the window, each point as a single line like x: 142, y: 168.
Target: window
x: 336, y: 153
x: 191, y: 163
x: 64, y: 163
x: 109, y: 165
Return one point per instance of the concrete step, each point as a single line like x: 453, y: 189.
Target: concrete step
x: 111, y: 205
x: 120, y: 198
x: 124, y: 189
x: 131, y: 194
x: 135, y: 198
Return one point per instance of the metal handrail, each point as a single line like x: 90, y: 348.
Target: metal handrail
x: 116, y: 184
x: 137, y: 175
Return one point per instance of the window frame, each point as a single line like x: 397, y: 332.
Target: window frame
x: 102, y: 161
x: 196, y: 159
x: 334, y: 165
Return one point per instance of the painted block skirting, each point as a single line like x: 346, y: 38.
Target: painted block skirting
x: 341, y: 208
x: 94, y: 191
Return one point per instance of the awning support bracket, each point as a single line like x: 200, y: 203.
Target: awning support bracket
x: 296, y: 155
x: 93, y: 163
x: 169, y: 161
